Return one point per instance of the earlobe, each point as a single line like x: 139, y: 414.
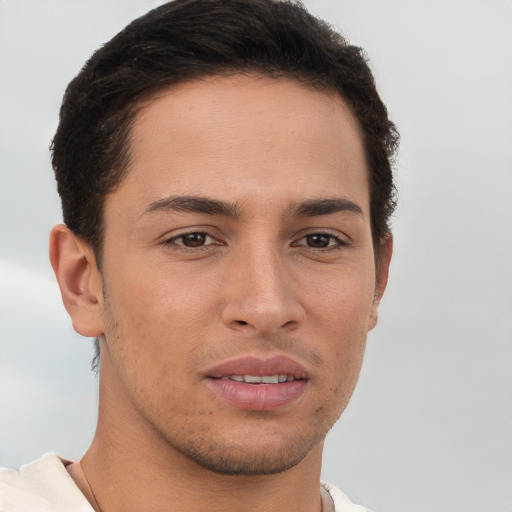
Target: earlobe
x: 79, y: 280
x: 381, y: 277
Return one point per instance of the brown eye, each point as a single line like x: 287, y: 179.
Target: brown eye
x: 193, y: 239
x: 321, y: 241
x: 318, y: 241
x: 199, y: 240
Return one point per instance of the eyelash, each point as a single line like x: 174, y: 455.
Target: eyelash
x: 173, y: 241
x: 337, y: 245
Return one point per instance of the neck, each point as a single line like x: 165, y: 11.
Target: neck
x: 127, y: 482
x: 130, y: 467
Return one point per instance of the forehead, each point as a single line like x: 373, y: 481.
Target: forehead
x: 245, y: 137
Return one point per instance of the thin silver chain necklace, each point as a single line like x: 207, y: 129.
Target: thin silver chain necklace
x: 96, y: 505
x: 327, y: 501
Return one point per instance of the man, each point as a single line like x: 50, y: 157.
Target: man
x: 224, y: 170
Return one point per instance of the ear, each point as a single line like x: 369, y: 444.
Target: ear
x: 381, y: 277
x: 79, y: 280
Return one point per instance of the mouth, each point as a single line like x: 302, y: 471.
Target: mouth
x: 258, y: 384
x: 263, y: 379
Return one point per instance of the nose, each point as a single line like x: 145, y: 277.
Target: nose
x: 259, y: 295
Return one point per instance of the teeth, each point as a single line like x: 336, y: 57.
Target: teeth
x: 252, y: 379
x: 265, y: 379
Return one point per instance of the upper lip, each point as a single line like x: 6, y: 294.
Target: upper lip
x: 258, y: 366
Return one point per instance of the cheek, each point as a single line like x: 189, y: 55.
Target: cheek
x: 157, y: 317
x: 147, y: 350
x: 343, y: 299
x: 340, y: 311
x: 157, y: 296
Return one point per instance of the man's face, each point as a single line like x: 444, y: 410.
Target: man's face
x: 237, y: 249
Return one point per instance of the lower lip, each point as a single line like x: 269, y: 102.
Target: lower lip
x: 258, y: 397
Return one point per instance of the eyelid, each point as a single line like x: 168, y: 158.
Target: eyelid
x: 174, y: 238
x: 171, y: 240
x: 340, y: 239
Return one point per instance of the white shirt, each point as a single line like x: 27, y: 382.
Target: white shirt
x: 45, y: 486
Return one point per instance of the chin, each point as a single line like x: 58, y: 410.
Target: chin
x: 227, y: 462
x: 250, y: 455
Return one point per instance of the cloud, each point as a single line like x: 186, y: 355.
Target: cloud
x: 29, y: 294
x: 24, y: 396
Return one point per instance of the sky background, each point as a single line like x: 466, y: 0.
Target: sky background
x: 429, y: 426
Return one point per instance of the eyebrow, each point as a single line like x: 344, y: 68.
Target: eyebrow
x: 317, y: 207
x: 193, y: 204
